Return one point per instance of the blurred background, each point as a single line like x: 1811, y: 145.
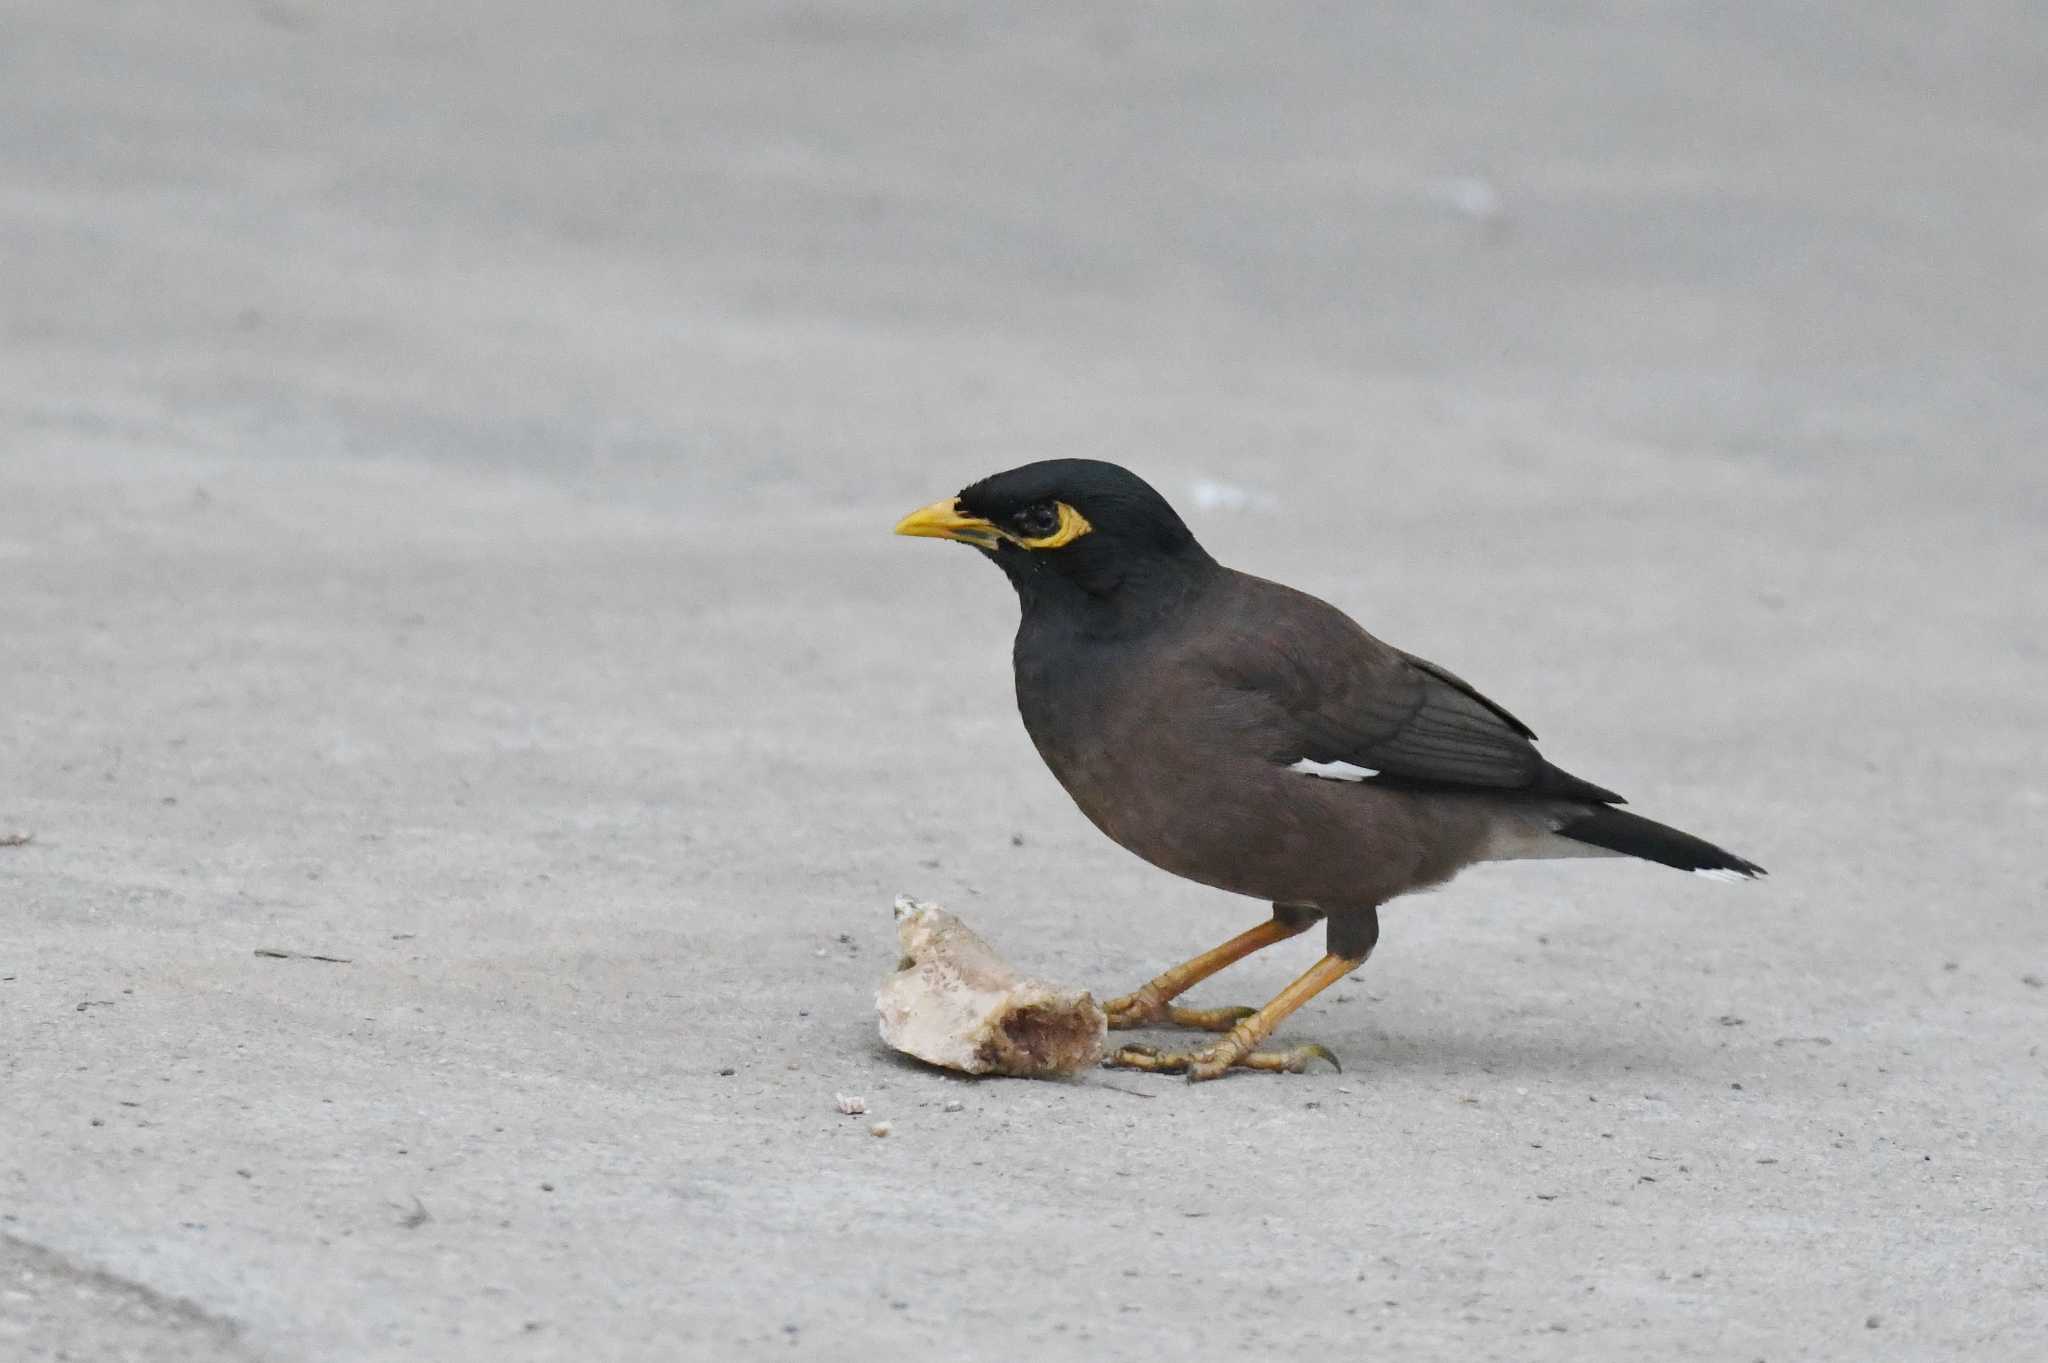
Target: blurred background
x: 784, y: 250
x: 446, y: 460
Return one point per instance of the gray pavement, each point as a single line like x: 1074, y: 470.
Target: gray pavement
x: 446, y: 456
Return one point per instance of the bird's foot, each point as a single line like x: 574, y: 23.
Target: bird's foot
x: 1146, y: 1009
x: 1213, y: 1061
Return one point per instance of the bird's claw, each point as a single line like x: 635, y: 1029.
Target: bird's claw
x: 1150, y: 1059
x: 1314, y: 1051
x: 1135, y: 1010
x: 1213, y: 1061
x: 1210, y: 1019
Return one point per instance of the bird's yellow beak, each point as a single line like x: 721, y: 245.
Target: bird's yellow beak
x: 944, y: 520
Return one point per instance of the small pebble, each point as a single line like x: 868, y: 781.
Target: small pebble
x: 1871, y: 1322
x: 880, y: 1129
x: 850, y: 1104
x: 954, y: 1105
x: 727, y: 1071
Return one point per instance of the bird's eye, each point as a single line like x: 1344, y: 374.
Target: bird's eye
x: 1037, y: 521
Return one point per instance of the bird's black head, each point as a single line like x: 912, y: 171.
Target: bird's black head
x: 1068, y: 526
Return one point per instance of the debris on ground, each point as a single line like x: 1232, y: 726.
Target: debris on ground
x: 953, y: 1002
x: 850, y: 1104
x: 278, y: 954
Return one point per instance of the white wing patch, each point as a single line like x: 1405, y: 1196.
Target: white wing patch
x: 1727, y: 877
x: 1333, y: 771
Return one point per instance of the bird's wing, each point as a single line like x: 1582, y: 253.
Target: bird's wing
x: 1326, y: 692
x: 1444, y: 674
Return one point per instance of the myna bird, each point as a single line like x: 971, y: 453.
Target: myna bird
x: 1254, y: 738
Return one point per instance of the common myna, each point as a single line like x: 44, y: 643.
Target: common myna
x: 1254, y: 738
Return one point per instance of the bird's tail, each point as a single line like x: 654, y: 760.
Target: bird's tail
x: 1632, y: 835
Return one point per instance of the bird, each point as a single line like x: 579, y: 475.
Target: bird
x: 1254, y: 738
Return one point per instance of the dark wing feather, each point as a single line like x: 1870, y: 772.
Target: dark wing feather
x: 1444, y: 674
x: 1324, y: 689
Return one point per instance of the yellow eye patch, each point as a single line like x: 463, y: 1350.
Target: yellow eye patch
x: 1072, y: 526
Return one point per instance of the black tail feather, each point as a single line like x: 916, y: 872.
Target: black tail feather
x: 1617, y: 830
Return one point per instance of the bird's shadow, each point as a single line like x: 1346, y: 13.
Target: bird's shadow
x: 1506, y: 1054
x: 1448, y: 1055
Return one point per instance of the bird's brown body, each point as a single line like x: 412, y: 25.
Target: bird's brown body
x: 1187, y: 763
x: 1191, y: 772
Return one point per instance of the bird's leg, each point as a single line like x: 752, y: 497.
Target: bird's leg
x: 1352, y: 940
x: 1152, y: 1004
x: 1240, y: 1048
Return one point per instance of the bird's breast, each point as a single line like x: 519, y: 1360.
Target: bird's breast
x: 1155, y: 770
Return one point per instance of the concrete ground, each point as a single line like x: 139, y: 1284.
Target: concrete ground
x: 446, y: 460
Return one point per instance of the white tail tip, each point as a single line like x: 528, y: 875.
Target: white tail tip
x: 1724, y: 875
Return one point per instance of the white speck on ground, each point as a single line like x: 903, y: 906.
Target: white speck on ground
x: 1208, y: 494
x: 1476, y: 198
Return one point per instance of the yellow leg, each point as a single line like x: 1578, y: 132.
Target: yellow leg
x: 1152, y: 1004
x: 1240, y: 1048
